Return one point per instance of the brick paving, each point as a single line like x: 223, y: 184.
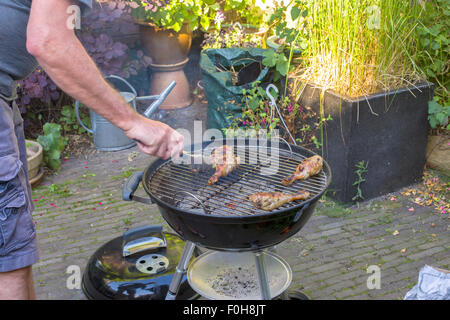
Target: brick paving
x: 80, y: 209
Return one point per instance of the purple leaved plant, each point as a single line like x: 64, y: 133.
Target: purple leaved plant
x: 37, y: 85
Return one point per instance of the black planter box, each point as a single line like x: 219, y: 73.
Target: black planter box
x: 393, y: 143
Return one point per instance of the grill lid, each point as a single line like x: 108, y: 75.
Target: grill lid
x: 144, y: 275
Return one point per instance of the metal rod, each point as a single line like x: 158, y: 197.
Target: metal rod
x: 180, y: 270
x: 262, y: 276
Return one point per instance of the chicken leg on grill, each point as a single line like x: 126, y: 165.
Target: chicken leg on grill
x: 224, y: 160
x: 273, y: 200
x: 308, y: 168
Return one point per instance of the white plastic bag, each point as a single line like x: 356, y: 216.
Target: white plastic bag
x: 433, y: 284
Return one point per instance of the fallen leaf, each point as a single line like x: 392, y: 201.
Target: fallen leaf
x: 304, y: 253
x: 132, y: 155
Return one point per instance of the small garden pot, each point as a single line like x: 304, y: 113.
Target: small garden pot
x: 34, y: 159
x: 387, y: 131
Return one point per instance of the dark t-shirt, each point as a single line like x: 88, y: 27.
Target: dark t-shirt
x: 15, y: 61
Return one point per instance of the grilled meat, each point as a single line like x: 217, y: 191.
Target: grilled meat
x: 308, y: 168
x: 224, y: 160
x: 272, y: 200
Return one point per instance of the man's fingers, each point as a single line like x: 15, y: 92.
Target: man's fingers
x: 163, y: 143
x: 146, y: 149
x: 177, y: 150
x: 163, y: 150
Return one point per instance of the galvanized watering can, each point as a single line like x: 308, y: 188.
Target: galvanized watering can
x: 108, y: 137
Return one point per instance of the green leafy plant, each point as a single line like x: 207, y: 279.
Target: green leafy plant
x: 234, y: 36
x: 256, y: 114
x: 53, y: 144
x: 197, y: 13
x: 361, y: 169
x: 289, y: 38
x: 433, y: 57
x: 246, y: 12
x: 290, y: 35
x: 169, y: 14
x: 438, y: 115
x: 69, y: 122
x: 278, y: 61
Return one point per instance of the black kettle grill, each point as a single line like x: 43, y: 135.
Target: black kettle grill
x: 220, y: 217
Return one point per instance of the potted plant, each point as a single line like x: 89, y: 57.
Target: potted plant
x: 367, y: 97
x: 166, y: 33
x: 287, y: 29
x: 359, y: 70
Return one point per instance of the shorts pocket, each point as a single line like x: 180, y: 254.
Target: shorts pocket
x: 16, y: 223
x: 9, y: 169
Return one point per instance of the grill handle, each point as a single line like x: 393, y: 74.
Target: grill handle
x: 130, y: 187
x: 143, y: 239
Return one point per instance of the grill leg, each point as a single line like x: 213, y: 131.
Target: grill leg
x: 262, y: 276
x: 180, y: 271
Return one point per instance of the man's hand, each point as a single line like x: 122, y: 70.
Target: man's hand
x: 156, y: 138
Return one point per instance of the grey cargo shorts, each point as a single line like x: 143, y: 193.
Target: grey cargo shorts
x: 18, y: 243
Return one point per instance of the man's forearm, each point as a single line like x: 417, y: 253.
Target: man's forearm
x: 65, y: 60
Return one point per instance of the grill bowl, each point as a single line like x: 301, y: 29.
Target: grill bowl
x: 243, y: 228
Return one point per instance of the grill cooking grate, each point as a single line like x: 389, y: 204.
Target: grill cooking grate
x: 186, y: 186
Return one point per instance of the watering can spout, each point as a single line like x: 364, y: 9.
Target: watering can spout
x: 162, y: 96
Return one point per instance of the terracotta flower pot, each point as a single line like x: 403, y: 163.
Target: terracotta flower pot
x: 169, y: 52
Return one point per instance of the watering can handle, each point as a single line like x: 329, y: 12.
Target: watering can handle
x: 124, y: 81
x: 77, y: 103
x: 77, y: 113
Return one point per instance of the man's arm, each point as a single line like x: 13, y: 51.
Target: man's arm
x: 62, y: 56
